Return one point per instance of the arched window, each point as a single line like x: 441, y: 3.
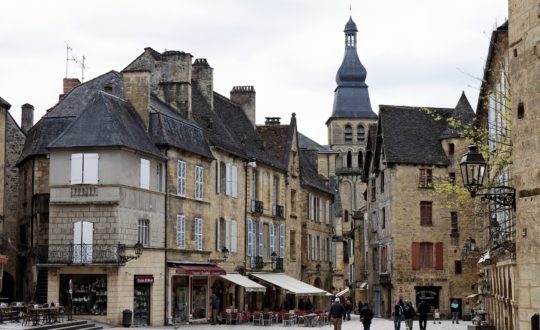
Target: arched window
x: 360, y: 134
x: 360, y: 159
x: 349, y: 159
x: 348, y: 134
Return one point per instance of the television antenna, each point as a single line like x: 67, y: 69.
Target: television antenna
x: 70, y: 57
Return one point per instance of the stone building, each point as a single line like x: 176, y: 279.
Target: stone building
x: 524, y: 49
x: 496, y: 239
x: 11, y: 143
x: 347, y: 135
x: 414, y: 237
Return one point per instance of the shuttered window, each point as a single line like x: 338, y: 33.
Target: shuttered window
x: 261, y: 239
x: 327, y: 217
x: 234, y: 236
x: 199, y: 182
x: 180, y: 231
x: 228, y: 179
x: 439, y: 262
x: 145, y: 174
x: 320, y: 206
x: 384, y: 259
x: 234, y: 181
x: 426, y: 178
x: 181, y: 179
x: 282, y: 240
x: 84, y: 168
x: 227, y: 235
x: 83, y: 237
x: 198, y: 228
x: 426, y: 214
x: 218, y: 177
x: 249, y: 238
x: 426, y: 255
x: 272, y: 238
x: 144, y: 232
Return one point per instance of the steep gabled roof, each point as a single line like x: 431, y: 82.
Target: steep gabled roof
x: 309, y: 174
x: 463, y: 113
x: 168, y: 128
x: 306, y: 143
x: 108, y: 121
x: 411, y: 136
x: 276, y: 138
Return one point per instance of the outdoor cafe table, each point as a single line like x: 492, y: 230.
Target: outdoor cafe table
x: 18, y: 309
x: 308, y: 319
x: 45, y: 313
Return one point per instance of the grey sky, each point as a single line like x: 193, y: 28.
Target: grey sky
x: 416, y: 52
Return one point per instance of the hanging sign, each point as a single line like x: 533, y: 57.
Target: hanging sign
x: 144, y: 279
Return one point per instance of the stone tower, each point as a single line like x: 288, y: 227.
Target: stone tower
x: 347, y: 134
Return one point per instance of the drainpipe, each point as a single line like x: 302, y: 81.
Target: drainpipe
x: 166, y: 169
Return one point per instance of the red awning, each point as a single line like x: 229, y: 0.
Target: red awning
x: 202, y: 269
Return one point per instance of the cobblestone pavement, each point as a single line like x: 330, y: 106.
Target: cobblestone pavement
x: 353, y: 324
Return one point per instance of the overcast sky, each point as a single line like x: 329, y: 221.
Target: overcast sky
x: 416, y: 52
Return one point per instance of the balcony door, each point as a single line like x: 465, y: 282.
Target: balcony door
x: 83, y: 236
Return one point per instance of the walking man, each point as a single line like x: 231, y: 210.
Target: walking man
x: 423, y: 310
x: 366, y: 315
x: 454, y: 308
x: 214, y: 302
x: 398, y: 313
x: 408, y: 313
x: 336, y: 313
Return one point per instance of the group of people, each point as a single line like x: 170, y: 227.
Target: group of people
x: 340, y: 312
x: 404, y: 310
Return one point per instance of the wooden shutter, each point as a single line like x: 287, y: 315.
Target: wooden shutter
x: 145, y: 173
x: 327, y: 212
x: 77, y: 241
x: 181, y: 178
x: 76, y: 168
x: 234, y: 172
x: 234, y: 236
x: 249, y: 237
x: 218, y: 177
x: 90, y: 168
x: 227, y: 234
x: 272, y: 238
x: 282, y: 240
x: 228, y: 179
x: 415, y: 256
x: 439, y: 264
x: 180, y: 231
x: 261, y: 238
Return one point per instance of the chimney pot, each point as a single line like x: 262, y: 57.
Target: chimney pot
x: 272, y: 121
x: 27, y: 117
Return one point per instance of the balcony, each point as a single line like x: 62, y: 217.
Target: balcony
x: 384, y: 279
x: 257, y: 207
x: 81, y: 254
x: 277, y: 265
x: 257, y: 262
x: 278, y: 211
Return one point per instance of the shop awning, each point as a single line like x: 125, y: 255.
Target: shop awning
x: 249, y: 285
x: 195, y: 269
x: 472, y: 296
x: 484, y: 257
x: 362, y: 285
x: 290, y: 284
x: 342, y: 292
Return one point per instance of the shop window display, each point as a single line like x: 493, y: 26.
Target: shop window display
x: 200, y: 292
x: 180, y: 296
x: 89, y: 293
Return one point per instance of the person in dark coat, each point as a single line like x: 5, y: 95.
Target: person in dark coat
x: 398, y: 313
x: 366, y: 315
x: 408, y: 314
x: 215, y: 304
x: 454, y: 308
x: 423, y: 310
x: 336, y: 314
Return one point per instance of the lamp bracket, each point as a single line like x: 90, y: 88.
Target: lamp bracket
x: 501, y: 195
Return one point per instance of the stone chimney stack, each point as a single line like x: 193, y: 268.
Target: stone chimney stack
x: 69, y: 84
x: 27, y: 117
x: 176, y: 82
x: 203, y: 78
x: 137, y: 92
x: 272, y: 121
x: 245, y: 97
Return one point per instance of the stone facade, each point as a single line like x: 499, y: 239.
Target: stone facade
x: 524, y: 28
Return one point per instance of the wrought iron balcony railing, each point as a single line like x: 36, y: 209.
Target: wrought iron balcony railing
x: 257, y: 207
x: 80, y: 254
x: 278, y: 265
x: 277, y: 211
x: 257, y: 262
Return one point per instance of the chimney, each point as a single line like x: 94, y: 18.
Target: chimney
x: 245, y: 97
x: 203, y: 78
x: 69, y: 84
x: 137, y: 92
x: 272, y: 121
x: 176, y: 82
x: 27, y: 117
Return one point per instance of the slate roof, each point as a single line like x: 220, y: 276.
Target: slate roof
x: 370, y: 151
x: 168, y: 128
x: 464, y: 113
x: 411, y: 136
x: 4, y: 103
x: 350, y: 26
x: 108, y: 121
x: 306, y: 143
x: 277, y: 141
x: 309, y: 175
x: 64, y: 112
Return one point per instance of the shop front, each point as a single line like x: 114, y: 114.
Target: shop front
x: 142, y: 299
x: 429, y: 294
x: 85, y: 293
x: 190, y: 291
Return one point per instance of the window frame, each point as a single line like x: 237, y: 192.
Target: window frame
x: 199, y: 182
x: 143, y: 232
x: 181, y: 176
x: 426, y: 213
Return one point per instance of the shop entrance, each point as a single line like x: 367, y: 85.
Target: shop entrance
x: 180, y: 298
x: 89, y: 293
x: 141, y: 300
x: 199, y: 299
x: 429, y: 294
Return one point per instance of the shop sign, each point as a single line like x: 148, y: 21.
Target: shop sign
x: 144, y: 279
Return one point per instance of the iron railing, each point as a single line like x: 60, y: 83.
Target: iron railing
x: 278, y: 264
x: 81, y: 254
x: 257, y: 207
x: 257, y: 262
x: 277, y: 211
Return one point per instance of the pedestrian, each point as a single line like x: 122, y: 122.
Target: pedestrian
x: 348, y: 309
x: 336, y: 313
x: 360, y: 305
x: 423, y: 310
x: 454, y: 308
x: 214, y: 302
x: 436, y: 316
x: 397, y: 314
x: 366, y: 315
x: 408, y: 314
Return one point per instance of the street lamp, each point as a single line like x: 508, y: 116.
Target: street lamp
x: 224, y: 253
x: 138, y: 248
x: 473, y: 169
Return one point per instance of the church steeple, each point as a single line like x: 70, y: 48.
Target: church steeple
x: 351, y: 97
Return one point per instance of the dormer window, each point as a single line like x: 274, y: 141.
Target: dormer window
x: 348, y: 134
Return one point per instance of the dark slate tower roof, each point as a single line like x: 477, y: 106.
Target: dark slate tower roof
x: 351, y: 96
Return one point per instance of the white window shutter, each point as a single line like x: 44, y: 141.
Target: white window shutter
x: 180, y: 231
x: 234, y: 236
x: 320, y: 209
x: 227, y: 234
x: 249, y: 238
x: 90, y: 168
x: 218, y: 177
x: 234, y: 181
x: 218, y: 234
x: 145, y: 173
x: 181, y: 178
x: 282, y: 240
x: 76, y: 168
x: 327, y: 212
x: 261, y: 238
x: 272, y: 238
x: 228, y: 179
